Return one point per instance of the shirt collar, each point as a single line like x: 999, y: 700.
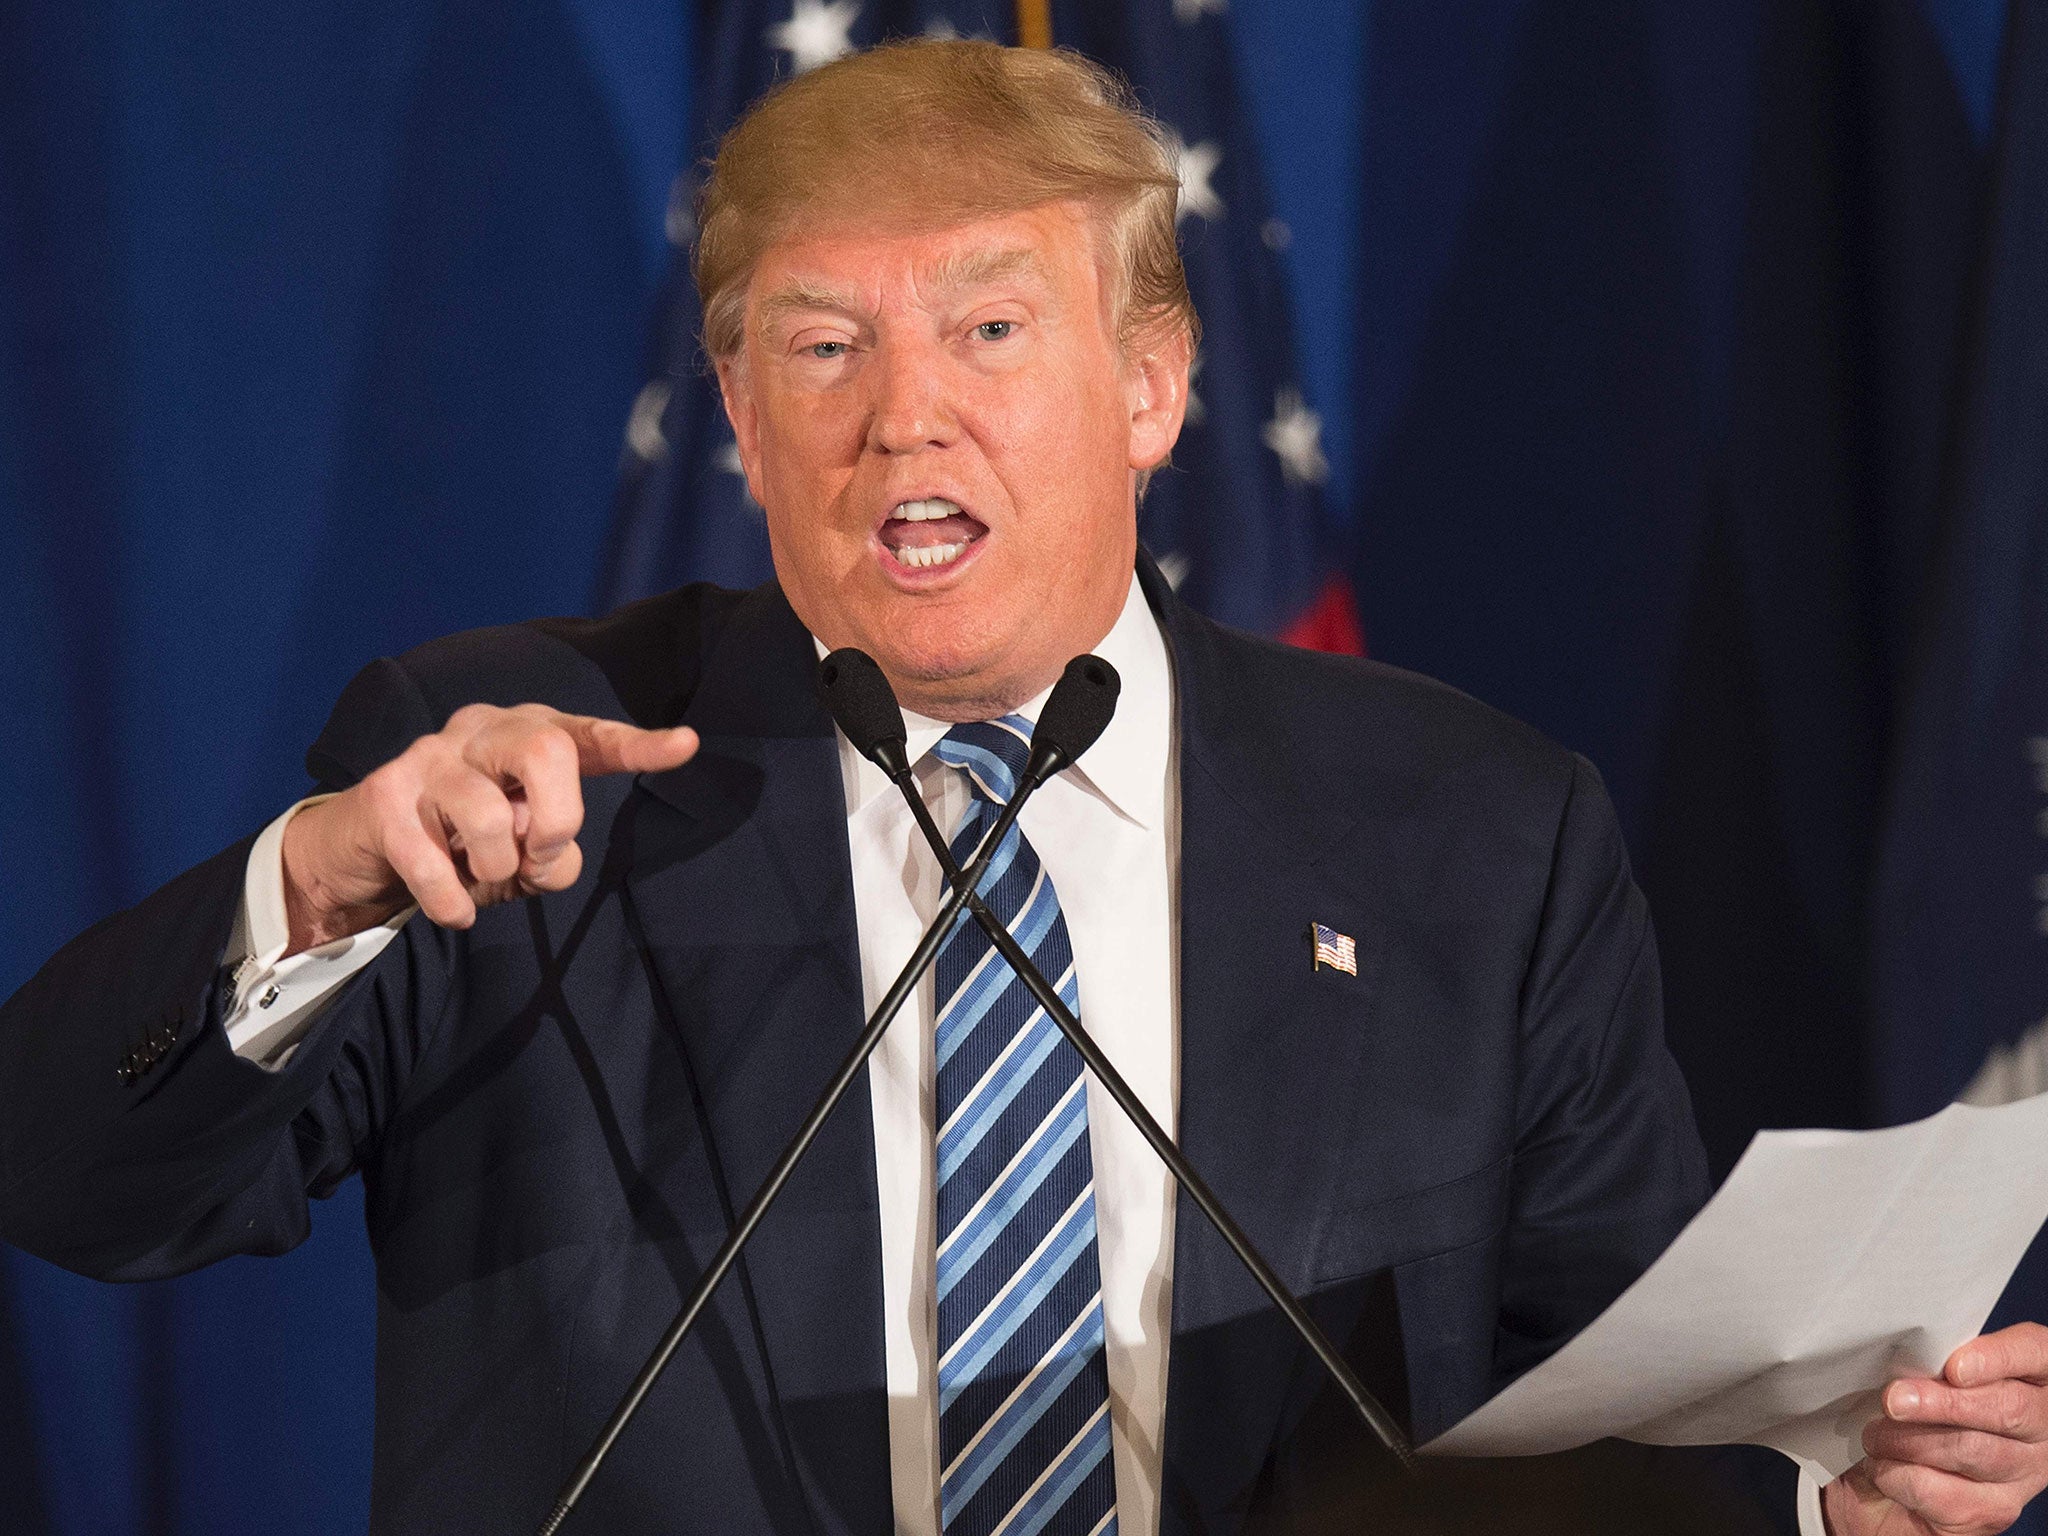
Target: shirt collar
x: 1127, y: 766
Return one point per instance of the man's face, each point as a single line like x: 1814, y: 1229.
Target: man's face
x: 945, y: 433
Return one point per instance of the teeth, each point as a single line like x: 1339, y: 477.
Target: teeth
x: 927, y: 509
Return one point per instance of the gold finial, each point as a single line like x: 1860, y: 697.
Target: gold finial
x: 1034, y: 23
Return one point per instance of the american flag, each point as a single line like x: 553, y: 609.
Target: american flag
x: 1238, y: 522
x: 1336, y: 950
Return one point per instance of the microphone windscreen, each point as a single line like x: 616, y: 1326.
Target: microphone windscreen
x: 863, y: 704
x: 1078, y: 710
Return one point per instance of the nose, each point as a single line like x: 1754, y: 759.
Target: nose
x: 910, y: 410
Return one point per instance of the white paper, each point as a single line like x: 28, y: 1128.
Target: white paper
x: 1828, y: 1264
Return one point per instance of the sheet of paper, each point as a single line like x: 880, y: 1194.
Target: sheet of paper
x: 1829, y: 1263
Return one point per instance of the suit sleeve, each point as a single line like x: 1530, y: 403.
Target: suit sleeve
x: 134, y: 1142
x: 1608, y: 1164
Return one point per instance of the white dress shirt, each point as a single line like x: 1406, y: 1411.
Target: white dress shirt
x: 1108, y: 834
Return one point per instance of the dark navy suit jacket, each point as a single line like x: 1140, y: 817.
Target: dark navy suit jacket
x: 1461, y: 1154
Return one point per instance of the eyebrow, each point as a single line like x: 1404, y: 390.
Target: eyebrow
x: 800, y: 297
x: 970, y: 269
x: 973, y: 269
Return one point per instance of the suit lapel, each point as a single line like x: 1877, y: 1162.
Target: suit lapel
x: 740, y: 877
x: 1268, y: 1047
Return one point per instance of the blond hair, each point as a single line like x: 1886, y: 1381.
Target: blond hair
x: 929, y: 133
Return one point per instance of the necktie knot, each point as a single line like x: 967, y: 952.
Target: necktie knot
x: 991, y: 753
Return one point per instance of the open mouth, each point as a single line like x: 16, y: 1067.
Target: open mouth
x: 929, y: 532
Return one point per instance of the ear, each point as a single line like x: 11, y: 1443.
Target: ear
x: 1156, y: 387
x: 736, y: 388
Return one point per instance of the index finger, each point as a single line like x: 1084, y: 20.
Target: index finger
x: 2015, y: 1410
x: 613, y: 746
x: 2016, y: 1353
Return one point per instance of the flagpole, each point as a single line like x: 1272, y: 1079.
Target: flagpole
x: 1034, y: 23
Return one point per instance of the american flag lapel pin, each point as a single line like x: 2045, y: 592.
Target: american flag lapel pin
x: 1336, y: 950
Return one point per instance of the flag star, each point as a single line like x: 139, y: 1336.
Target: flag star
x: 817, y: 32
x: 1188, y: 12
x: 1195, y: 164
x: 941, y: 28
x: 1197, y: 412
x: 1295, y: 434
x: 643, y: 424
x: 1174, y: 566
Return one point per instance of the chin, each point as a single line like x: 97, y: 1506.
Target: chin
x: 937, y: 647
x: 927, y: 669
x: 953, y: 680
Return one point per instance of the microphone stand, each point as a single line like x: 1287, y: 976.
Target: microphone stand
x: 1377, y: 1419
x: 722, y: 1261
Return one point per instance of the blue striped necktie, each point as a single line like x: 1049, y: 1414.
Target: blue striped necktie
x: 1024, y: 1443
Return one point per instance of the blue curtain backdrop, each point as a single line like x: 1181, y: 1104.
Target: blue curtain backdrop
x: 1651, y: 342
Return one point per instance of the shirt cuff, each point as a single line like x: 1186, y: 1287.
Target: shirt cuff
x: 1810, y: 1521
x: 276, y: 1000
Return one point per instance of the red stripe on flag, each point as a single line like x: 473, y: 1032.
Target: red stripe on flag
x: 1330, y: 623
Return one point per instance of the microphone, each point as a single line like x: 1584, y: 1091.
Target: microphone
x: 1074, y: 718
x: 1085, y: 716
x: 1075, y: 715
x: 864, y: 707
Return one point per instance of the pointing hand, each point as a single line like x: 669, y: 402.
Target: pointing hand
x: 484, y: 810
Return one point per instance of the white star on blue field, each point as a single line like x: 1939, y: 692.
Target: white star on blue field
x: 1295, y: 434
x: 817, y: 32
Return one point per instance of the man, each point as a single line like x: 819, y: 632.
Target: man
x: 947, y: 315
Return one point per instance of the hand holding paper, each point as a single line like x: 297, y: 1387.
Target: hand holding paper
x: 1959, y: 1454
x: 1830, y: 1263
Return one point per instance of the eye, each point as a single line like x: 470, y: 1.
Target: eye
x: 995, y: 330
x: 827, y: 349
